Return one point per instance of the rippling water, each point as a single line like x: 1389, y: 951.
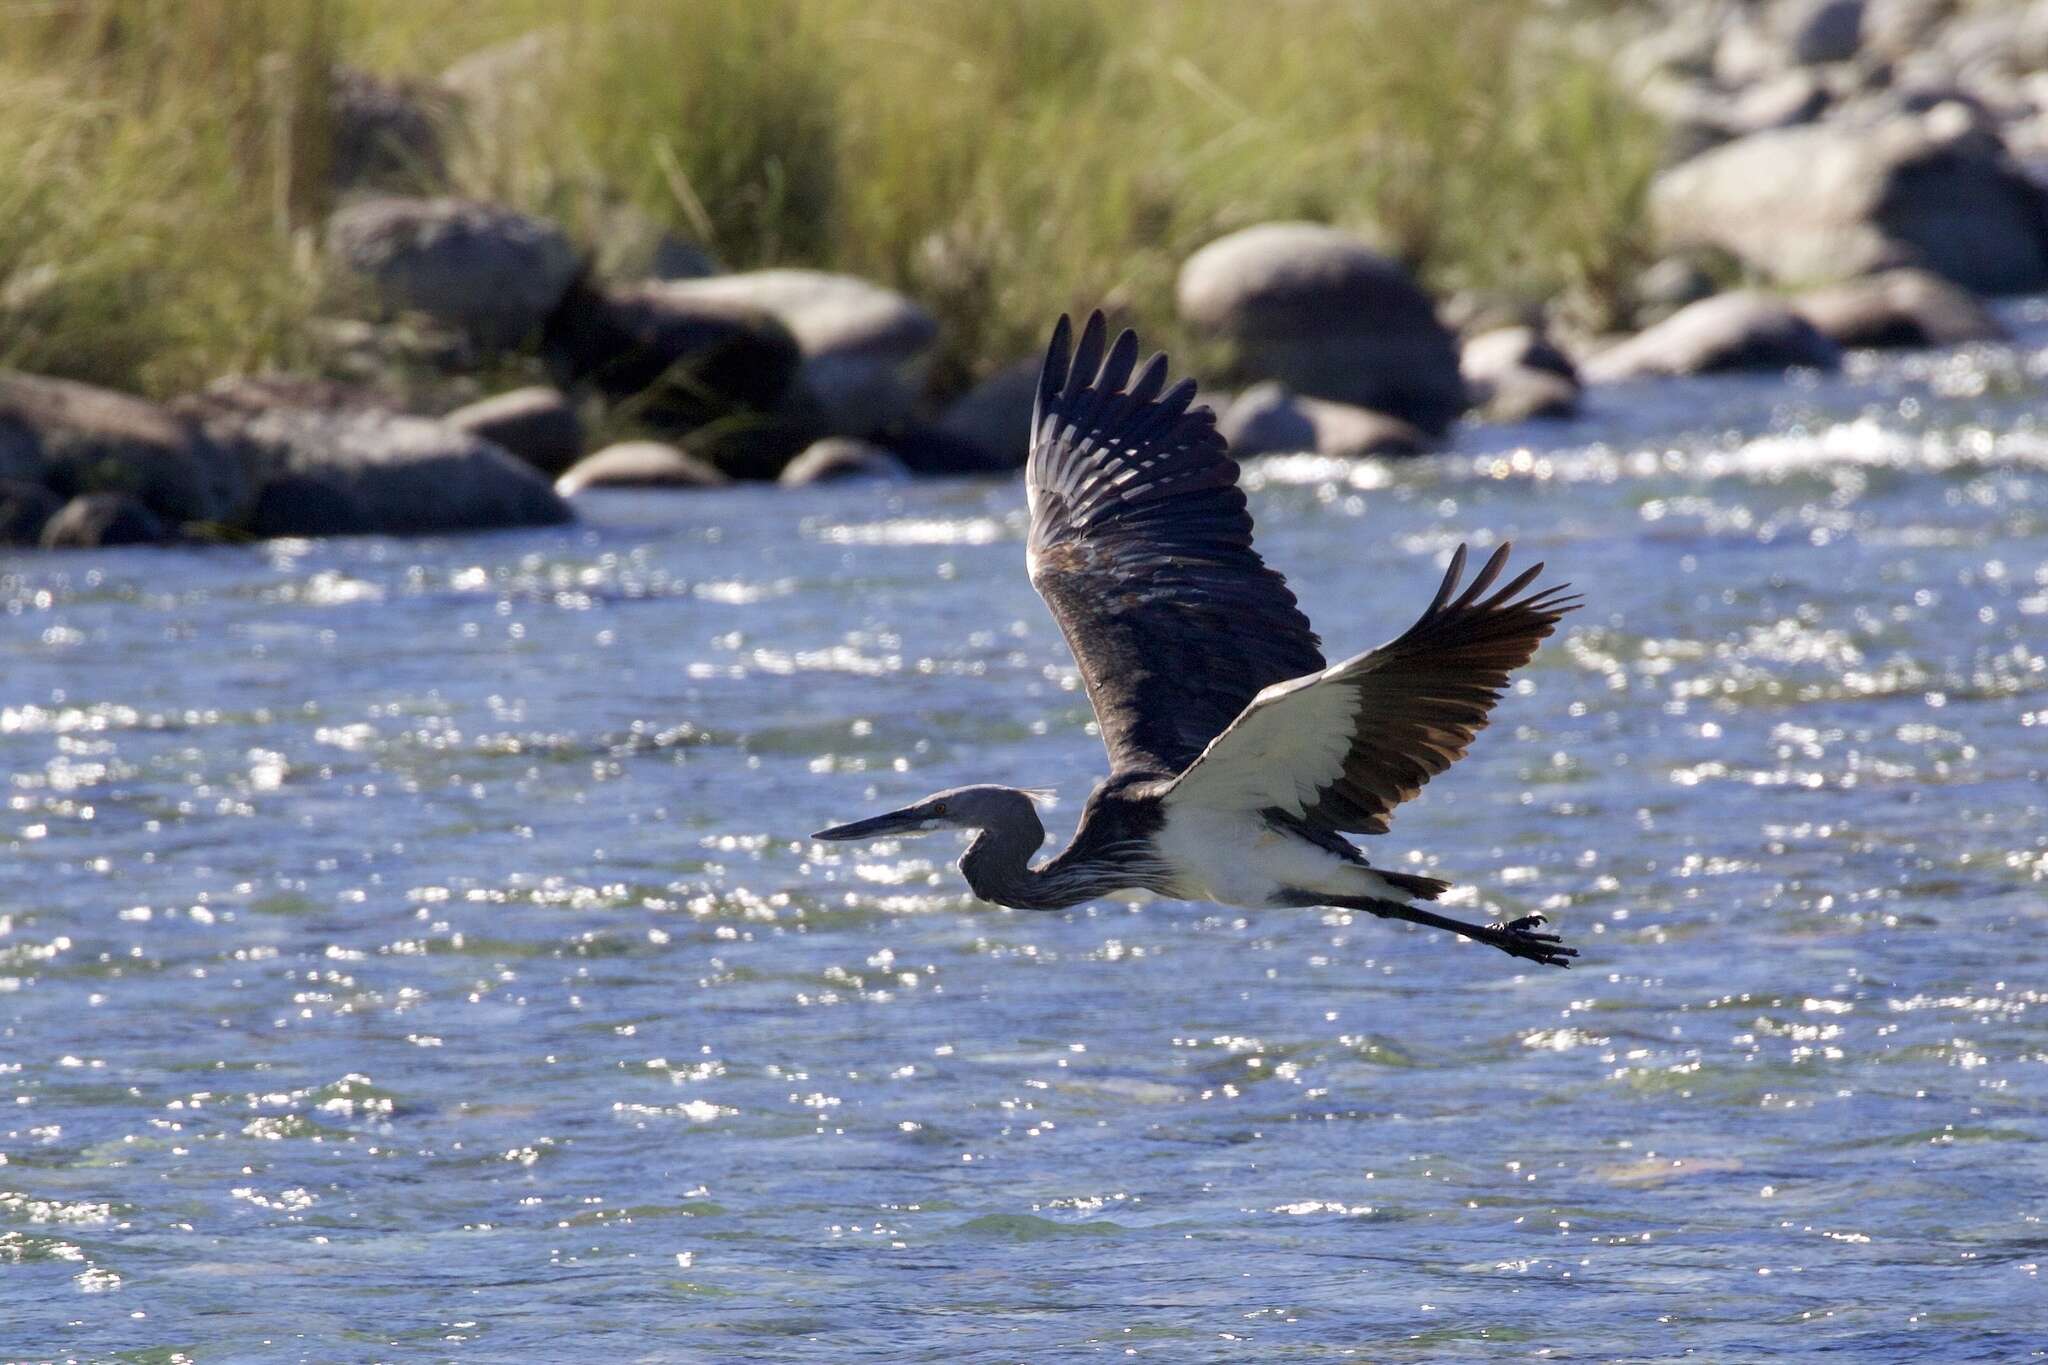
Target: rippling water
x: 410, y: 948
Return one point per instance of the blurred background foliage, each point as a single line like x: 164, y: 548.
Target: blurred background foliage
x: 165, y: 164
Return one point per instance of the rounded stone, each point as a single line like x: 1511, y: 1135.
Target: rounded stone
x: 639, y: 464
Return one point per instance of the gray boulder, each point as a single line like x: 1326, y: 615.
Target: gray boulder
x: 489, y: 271
x: 674, y: 359
x: 837, y: 459
x: 1739, y: 331
x: 408, y: 475
x: 1830, y: 201
x: 25, y: 508
x: 639, y: 464
x: 1518, y: 373
x: 865, y: 348
x: 1269, y: 419
x: 537, y: 424
x: 1668, y: 285
x: 1900, y: 308
x: 306, y: 505
x: 102, y: 519
x: 1820, y: 31
x: 1318, y: 310
x: 80, y: 439
x: 996, y: 414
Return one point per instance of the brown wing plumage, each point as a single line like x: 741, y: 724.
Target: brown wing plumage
x: 1341, y: 749
x: 1142, y: 547
x: 1424, y: 695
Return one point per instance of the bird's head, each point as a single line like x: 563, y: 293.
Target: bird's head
x: 986, y: 807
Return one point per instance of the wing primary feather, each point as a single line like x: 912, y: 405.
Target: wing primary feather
x: 1053, y: 377
x: 1450, y: 583
x: 1087, y: 358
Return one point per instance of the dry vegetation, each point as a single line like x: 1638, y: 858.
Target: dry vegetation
x: 163, y: 162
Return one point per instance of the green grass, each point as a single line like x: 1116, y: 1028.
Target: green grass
x: 162, y: 161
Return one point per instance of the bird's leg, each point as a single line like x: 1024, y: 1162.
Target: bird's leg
x: 1517, y: 938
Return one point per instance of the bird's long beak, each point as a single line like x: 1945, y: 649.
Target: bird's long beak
x: 909, y: 820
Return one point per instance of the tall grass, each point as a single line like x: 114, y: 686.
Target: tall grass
x: 1002, y: 160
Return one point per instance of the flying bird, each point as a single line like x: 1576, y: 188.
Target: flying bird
x: 1239, y: 757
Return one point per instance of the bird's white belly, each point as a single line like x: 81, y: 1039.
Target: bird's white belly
x: 1236, y: 858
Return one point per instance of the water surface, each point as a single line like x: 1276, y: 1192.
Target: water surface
x: 410, y: 949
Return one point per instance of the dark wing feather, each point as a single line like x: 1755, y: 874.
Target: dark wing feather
x: 1426, y: 694
x: 1343, y: 748
x: 1142, y: 547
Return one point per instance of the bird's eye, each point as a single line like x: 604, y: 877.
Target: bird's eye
x: 939, y: 809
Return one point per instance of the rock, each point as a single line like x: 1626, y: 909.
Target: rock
x: 754, y: 448
x: 25, y: 508
x: 675, y: 359
x: 1896, y: 28
x: 386, y: 134
x: 1670, y: 284
x: 1505, y: 348
x: 839, y: 458
x: 1781, y: 102
x: 489, y: 271
x: 1738, y: 331
x: 408, y: 475
x: 1318, y: 310
x: 1830, y: 201
x: 864, y: 348
x: 996, y: 415
x: 537, y: 424
x: 639, y: 464
x: 1900, y: 308
x: 930, y: 450
x: 1517, y: 373
x: 80, y: 439
x: 1524, y: 395
x: 1269, y: 419
x: 102, y: 519
x: 1820, y: 31
x: 306, y: 505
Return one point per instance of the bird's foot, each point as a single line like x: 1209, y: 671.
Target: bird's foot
x: 1518, y: 938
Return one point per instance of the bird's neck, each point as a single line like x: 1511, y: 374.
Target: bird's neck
x: 998, y: 867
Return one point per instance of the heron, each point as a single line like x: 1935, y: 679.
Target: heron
x: 1239, y: 758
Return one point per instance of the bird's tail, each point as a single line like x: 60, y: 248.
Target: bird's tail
x: 1422, y: 888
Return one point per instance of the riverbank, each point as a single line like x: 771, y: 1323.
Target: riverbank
x: 357, y: 265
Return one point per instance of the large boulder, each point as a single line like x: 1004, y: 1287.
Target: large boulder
x: 537, y: 424
x: 96, y: 520
x: 408, y: 475
x: 1834, y: 200
x: 1269, y: 419
x: 1900, y: 308
x: 639, y: 464
x: 306, y: 505
x: 489, y: 271
x: 80, y: 439
x: 996, y: 414
x: 673, y: 359
x: 1739, y: 331
x: 1318, y: 310
x: 865, y: 348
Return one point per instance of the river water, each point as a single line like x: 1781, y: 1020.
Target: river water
x: 411, y: 948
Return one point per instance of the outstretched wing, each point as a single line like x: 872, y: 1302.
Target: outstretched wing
x: 1341, y: 749
x: 1141, y: 545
